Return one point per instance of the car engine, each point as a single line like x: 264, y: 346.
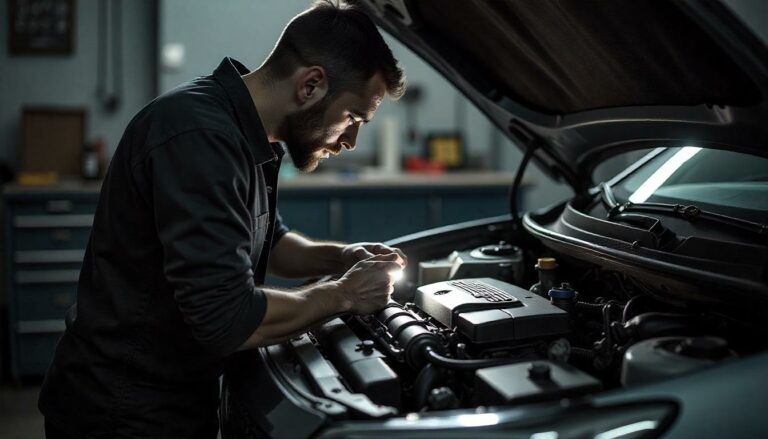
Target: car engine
x: 480, y: 327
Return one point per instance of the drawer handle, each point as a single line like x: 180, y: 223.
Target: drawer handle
x: 49, y: 256
x: 62, y: 300
x: 61, y: 235
x: 59, y: 206
x: 51, y: 221
x: 47, y: 276
x: 40, y: 326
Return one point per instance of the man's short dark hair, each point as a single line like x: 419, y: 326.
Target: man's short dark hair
x: 342, y: 39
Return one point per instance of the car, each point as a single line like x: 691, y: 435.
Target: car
x: 636, y: 308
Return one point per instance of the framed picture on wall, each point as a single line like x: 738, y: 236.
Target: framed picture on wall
x: 41, y: 27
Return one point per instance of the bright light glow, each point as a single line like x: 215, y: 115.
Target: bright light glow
x: 663, y: 173
x: 627, y: 430
x: 412, y: 417
x: 396, y: 275
x: 545, y: 435
x: 478, y: 420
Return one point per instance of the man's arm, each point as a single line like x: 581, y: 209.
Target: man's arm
x: 295, y: 256
x: 364, y: 289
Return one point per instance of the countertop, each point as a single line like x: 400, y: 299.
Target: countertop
x: 323, y: 181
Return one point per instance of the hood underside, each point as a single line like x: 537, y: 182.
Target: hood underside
x: 582, y: 82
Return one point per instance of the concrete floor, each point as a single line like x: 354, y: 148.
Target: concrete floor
x: 19, y: 418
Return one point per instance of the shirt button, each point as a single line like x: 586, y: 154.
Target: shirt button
x: 269, y: 189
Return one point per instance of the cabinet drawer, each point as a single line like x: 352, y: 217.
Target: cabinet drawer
x: 44, y: 301
x: 55, y: 259
x: 55, y: 206
x: 51, y: 239
x: 35, y: 352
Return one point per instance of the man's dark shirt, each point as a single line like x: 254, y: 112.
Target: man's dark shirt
x: 170, y: 282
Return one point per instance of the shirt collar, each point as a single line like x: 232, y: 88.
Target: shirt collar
x: 229, y: 73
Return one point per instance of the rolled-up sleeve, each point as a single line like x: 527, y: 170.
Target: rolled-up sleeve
x: 200, y: 187
x: 280, y: 229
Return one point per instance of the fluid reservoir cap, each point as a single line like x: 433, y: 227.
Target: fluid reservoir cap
x: 708, y: 348
x: 546, y: 264
x: 501, y: 249
x: 367, y: 346
x: 538, y: 371
x: 563, y: 292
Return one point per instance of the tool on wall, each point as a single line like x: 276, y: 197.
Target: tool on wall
x: 110, y: 48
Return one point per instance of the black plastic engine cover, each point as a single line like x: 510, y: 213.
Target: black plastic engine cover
x: 361, y: 364
x: 508, y: 313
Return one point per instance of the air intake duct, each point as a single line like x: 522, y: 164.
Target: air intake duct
x: 411, y: 334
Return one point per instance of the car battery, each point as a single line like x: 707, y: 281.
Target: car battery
x: 531, y: 382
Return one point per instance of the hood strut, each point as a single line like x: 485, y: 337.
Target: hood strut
x: 532, y: 146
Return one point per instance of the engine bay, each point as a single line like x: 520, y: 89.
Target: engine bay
x: 496, y: 325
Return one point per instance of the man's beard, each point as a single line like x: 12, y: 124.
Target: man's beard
x: 305, y: 135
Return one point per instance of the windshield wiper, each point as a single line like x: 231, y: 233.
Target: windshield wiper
x: 688, y: 212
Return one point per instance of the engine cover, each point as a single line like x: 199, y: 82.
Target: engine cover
x: 488, y: 310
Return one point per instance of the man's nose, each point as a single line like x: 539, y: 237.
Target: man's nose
x: 349, y: 138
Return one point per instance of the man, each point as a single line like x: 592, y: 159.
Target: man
x: 181, y: 241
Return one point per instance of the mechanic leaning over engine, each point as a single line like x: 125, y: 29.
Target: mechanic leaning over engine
x: 186, y: 229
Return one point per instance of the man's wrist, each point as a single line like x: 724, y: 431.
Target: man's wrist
x: 339, y: 300
x: 342, y: 298
x: 338, y: 264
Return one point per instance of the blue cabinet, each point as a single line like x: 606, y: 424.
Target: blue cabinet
x: 45, y: 235
x: 379, y: 213
x: 308, y: 213
x: 465, y: 206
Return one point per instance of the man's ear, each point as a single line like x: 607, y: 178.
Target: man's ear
x: 311, y: 85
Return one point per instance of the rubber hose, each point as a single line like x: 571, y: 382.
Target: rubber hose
x: 452, y: 363
x: 589, y: 307
x: 425, y: 382
x: 586, y: 354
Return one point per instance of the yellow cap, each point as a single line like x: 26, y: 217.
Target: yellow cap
x: 546, y: 264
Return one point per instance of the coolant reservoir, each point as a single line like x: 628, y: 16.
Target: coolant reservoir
x: 500, y: 261
x: 666, y: 357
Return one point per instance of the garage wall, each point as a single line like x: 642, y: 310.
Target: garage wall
x: 208, y: 31
x: 71, y: 80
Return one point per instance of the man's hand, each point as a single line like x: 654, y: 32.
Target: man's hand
x: 366, y: 287
x: 353, y: 253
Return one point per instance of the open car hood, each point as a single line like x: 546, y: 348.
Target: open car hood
x: 580, y: 83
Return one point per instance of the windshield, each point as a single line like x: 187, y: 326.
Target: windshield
x: 725, y: 182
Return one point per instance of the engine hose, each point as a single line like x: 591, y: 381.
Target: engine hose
x: 453, y: 363
x: 425, y: 382
x: 607, y: 325
x: 586, y: 354
x: 653, y: 324
x: 626, y: 314
x: 587, y: 307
